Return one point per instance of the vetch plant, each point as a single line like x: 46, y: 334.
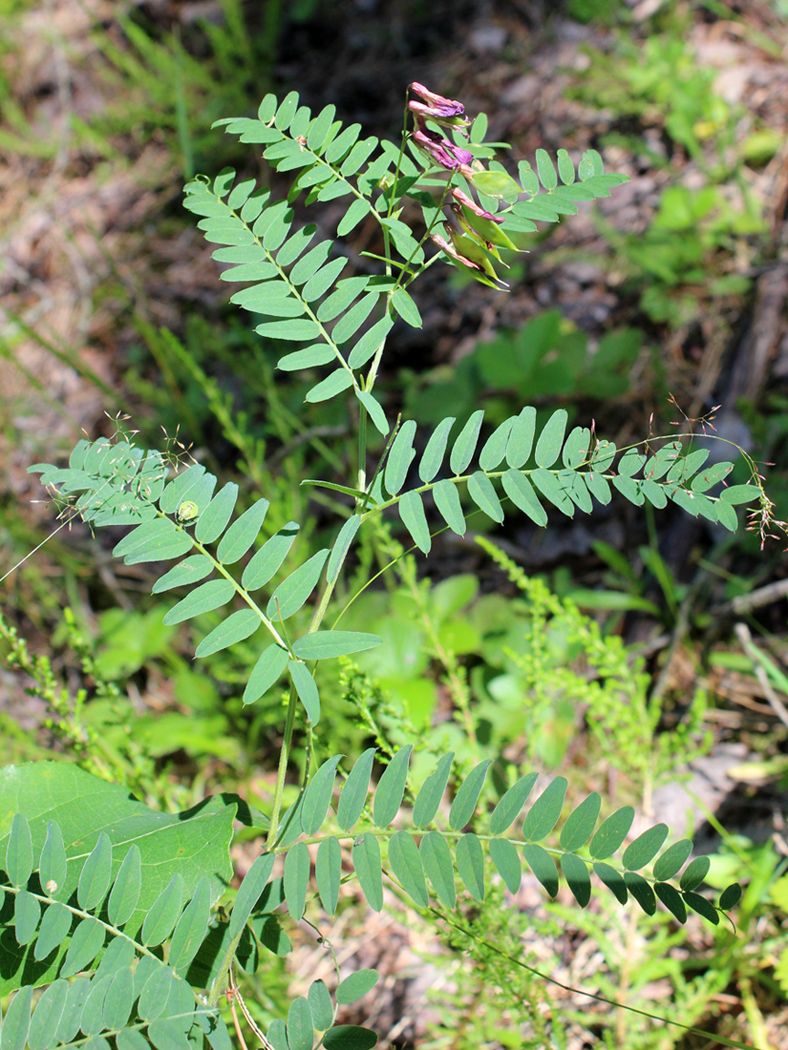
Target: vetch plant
x: 110, y: 905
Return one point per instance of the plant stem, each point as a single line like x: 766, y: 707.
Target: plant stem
x: 284, y: 756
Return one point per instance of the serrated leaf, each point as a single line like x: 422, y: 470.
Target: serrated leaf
x: 464, y: 804
x: 672, y: 860
x: 577, y: 878
x: 317, y: 796
x: 509, y: 806
x: 296, y: 588
x: 580, y: 823
x: 296, y: 876
x: 521, y: 492
x: 366, y: 861
x: 238, y: 626
x: 447, y: 500
x: 465, y: 444
x: 611, y: 833
x: 507, y: 861
x: 328, y: 873
x: 307, y: 690
x: 52, y: 865
x: 411, y: 512
x: 391, y: 787
x: 86, y: 942
x: 645, y: 847
x: 470, y: 865
x: 19, y: 851
x: 355, y: 790
x: 431, y: 792
x: 482, y: 492
x: 544, y: 814
x: 694, y: 874
x: 438, y: 866
x: 164, y: 912
x: 614, y: 881
x: 407, y: 867
x: 126, y: 888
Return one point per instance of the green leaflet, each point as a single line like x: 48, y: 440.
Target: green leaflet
x: 96, y: 873
x: 46, y: 1017
x: 300, y: 1030
x: 267, y: 561
x: 508, y: 808
x: 552, y: 489
x: 53, y: 931
x: 494, y: 448
x: 27, y: 912
x: 309, y: 357
x: 506, y: 860
x: 355, y: 790
x: 181, y: 488
x: 190, y: 570
x: 317, y: 796
x: 580, y: 823
x: 672, y: 900
x: 464, y: 805
x: 126, y: 888
x: 370, y: 342
x: 358, y: 210
x: 447, y: 500
x: 641, y: 891
x: 324, y: 645
x: 465, y: 444
x: 238, y: 626
x: 551, y: 439
x: 366, y: 861
x: 341, y: 546
x: 346, y: 292
x: 328, y: 873
x: 407, y: 867
x: 672, y: 860
x: 391, y: 787
x: 356, y: 985
x: 19, y: 851
x: 157, y: 540
x: 645, y: 847
x: 470, y: 865
x: 695, y: 873
x: 347, y: 326
x: 376, y: 413
x: 296, y: 876
x: 86, y: 942
x: 16, y: 1023
x: 406, y: 308
x: 321, y: 1006
x: 543, y: 866
x: 482, y: 492
x: 400, y: 457
x: 191, y: 928
x: 543, y: 815
x: 307, y: 690
x: 53, y: 862
x: 242, y: 533
x: 577, y: 878
x: 334, y: 383
x: 349, y: 1037
x: 438, y: 866
x: 250, y: 891
x: 294, y: 590
x: 611, y: 833
x: 521, y: 492
x: 411, y: 511
x: 203, y: 599
x: 432, y: 458
x: 164, y: 912
x: 431, y: 792
x: 266, y: 672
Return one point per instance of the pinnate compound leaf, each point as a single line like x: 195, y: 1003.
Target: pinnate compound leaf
x: 294, y: 590
x: 464, y: 804
x: 366, y: 861
x: 580, y: 823
x: 695, y: 873
x: 611, y: 833
x: 507, y: 861
x: 317, y: 796
x: 296, y: 879
x: 306, y: 688
x: 238, y: 626
x: 52, y: 865
x: 645, y: 847
x: 641, y: 891
x: 432, y: 458
x: 46, y: 1018
x: 19, y: 851
x: 411, y: 511
x: 205, y: 598
x: 349, y: 1037
x: 250, y: 891
x: 447, y: 500
x: 164, y: 912
x: 672, y: 900
x: 328, y: 873
x: 513, y: 800
x: 325, y: 645
x: 355, y: 790
x: 470, y: 865
x: 551, y: 439
x: 614, y: 881
x: 577, y: 878
x: 465, y: 444
x: 356, y: 986
x: 431, y: 792
x: 672, y: 860
x: 266, y: 672
x: 391, y: 787
x: 242, y: 533
x: 407, y: 867
x: 438, y: 866
x: 543, y: 815
x: 267, y: 561
x: 521, y: 492
x: 96, y: 873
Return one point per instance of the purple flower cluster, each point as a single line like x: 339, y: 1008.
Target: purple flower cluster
x: 447, y: 113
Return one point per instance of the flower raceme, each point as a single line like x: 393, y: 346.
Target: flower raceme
x: 446, y: 112
x: 442, y: 151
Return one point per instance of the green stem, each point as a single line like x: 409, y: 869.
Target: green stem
x: 284, y: 756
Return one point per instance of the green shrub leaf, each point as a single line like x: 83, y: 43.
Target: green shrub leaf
x: 355, y: 790
x: 406, y: 864
x: 438, y: 866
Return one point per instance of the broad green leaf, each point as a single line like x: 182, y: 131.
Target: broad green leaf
x: 96, y: 873
x: 447, y: 500
x: 411, y: 512
x: 349, y: 1037
x: 614, y: 881
x: 296, y: 875
x: 577, y: 878
x: 494, y: 448
x: 300, y: 1030
x: 737, y: 494
x: 307, y: 690
x: 521, y: 492
x: 641, y: 891
x: 366, y: 861
x: 267, y: 561
x: 580, y: 823
x: 126, y: 888
x: 320, y: 1004
x: 694, y: 874
x: 93, y: 1013
x: 238, y: 626
x: 16, y: 1023
x: 54, y: 929
x: 391, y: 787
x: 506, y: 860
x: 86, y: 942
x: 400, y: 458
x: 120, y: 997
x: 438, y: 866
x: 250, y: 891
x: 465, y: 445
x: 192, y: 927
x: 672, y: 860
x: 341, y: 546
x: 164, y: 912
x: 645, y: 847
x: 52, y: 865
x: 19, y: 851
x: 356, y: 986
x: 509, y: 806
x: 46, y: 1018
x: 544, y: 814
x: 325, y: 645
x: 317, y: 796
x: 370, y: 342
x: 470, y: 865
x: 72, y: 1013
x: 730, y: 896
x: 155, y: 993
x: 294, y: 590
x: 464, y: 804
x: 482, y: 492
x: 376, y: 413
x: 543, y: 866
x: 432, y: 458
x: 27, y: 912
x: 328, y: 873
x: 205, y: 598
x: 611, y: 833
x: 242, y: 533
x: 407, y: 867
x: 521, y: 438
x: 699, y: 904
x: 672, y: 900
x: 431, y: 792
x: 213, y: 520
x: 548, y: 447
x: 189, y: 571
x: 355, y: 790
x: 266, y: 672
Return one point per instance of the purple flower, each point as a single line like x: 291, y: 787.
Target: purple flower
x: 452, y: 252
x: 468, y: 202
x: 436, y: 107
x: 440, y: 149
